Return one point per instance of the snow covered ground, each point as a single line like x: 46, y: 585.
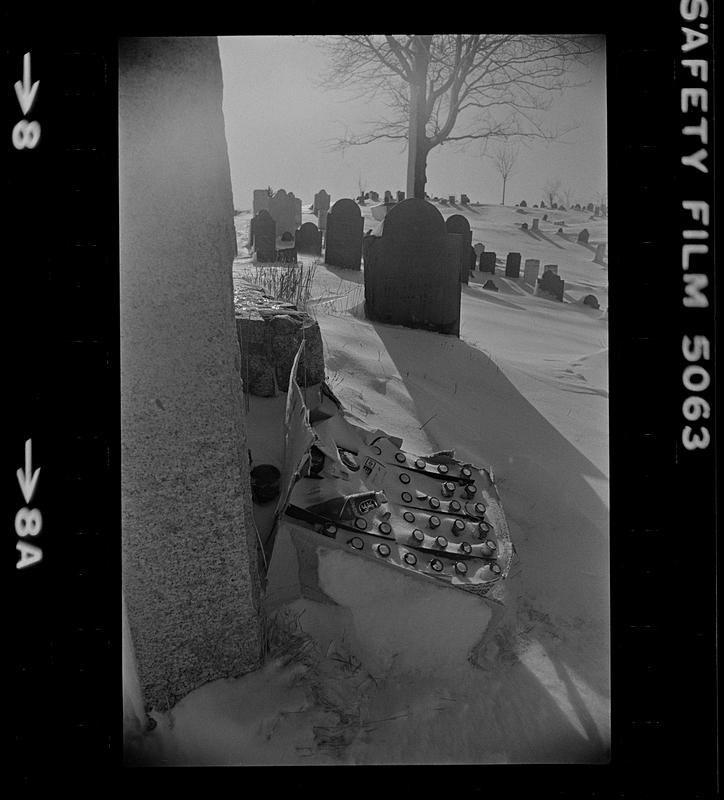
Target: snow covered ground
x: 525, y: 391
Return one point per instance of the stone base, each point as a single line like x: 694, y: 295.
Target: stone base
x: 269, y: 333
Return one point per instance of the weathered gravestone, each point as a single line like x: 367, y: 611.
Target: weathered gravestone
x: 261, y: 200
x: 400, y: 197
x: 531, y: 269
x: 591, y: 300
x: 487, y: 261
x: 600, y: 253
x: 451, y: 199
x: 456, y: 250
x: 589, y: 207
x: 458, y: 224
x: 344, y: 235
x: 550, y: 268
x: 321, y: 202
x: 409, y: 278
x: 264, y: 232
x: 283, y: 210
x: 464, y: 200
x: 542, y: 204
x: 190, y: 576
x: 512, y: 265
x: 583, y: 236
x: 524, y: 226
x: 490, y: 286
x: 375, y: 197
x: 550, y: 284
x: 388, y: 197
x: 535, y: 223
x: 523, y: 204
x: 545, y: 217
x: 554, y: 206
x: 308, y: 239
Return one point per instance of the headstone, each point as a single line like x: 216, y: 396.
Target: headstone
x: 265, y: 237
x: 388, y: 197
x: 530, y: 271
x: 487, y: 261
x: 559, y: 231
x: 409, y: 278
x: 451, y: 199
x: 589, y: 207
x: 323, y: 219
x: 308, y: 239
x: 321, y: 202
x: 550, y: 268
x: 551, y: 284
x: 283, y: 210
x: 583, y: 236
x: 456, y: 254
x: 554, y: 205
x: 464, y: 200
x: 261, y: 200
x: 535, y: 223
x: 344, y: 235
x: 457, y: 223
x: 545, y: 217
x: 190, y: 579
x: 375, y: 197
x: 523, y: 204
x: 600, y: 253
x: 512, y: 265
x: 400, y: 197
x: 535, y: 205
x: 490, y: 286
x: 591, y: 300
x: 542, y: 204
x: 524, y: 226
x: 479, y: 248
x: 287, y: 237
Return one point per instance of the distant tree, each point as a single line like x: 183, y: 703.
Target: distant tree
x: 453, y: 88
x: 551, y: 189
x: 505, y: 159
x: 567, y: 196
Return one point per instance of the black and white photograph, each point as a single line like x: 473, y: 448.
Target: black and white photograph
x: 366, y: 397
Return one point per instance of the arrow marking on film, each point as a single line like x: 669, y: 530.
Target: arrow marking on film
x: 25, y: 91
x: 27, y: 479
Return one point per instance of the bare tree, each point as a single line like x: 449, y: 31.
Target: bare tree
x: 505, y: 159
x: 452, y: 88
x: 567, y: 195
x: 551, y: 188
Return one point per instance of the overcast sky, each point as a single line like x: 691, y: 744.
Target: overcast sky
x: 278, y: 121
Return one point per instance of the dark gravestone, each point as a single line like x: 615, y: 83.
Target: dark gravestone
x: 344, y: 235
x: 388, y: 197
x: 457, y: 223
x: 583, y: 236
x: 512, y: 265
x: 375, y: 197
x: 456, y: 250
x: 487, y: 261
x: 308, y: 239
x: 400, y: 197
x: 530, y: 270
x: 523, y: 204
x: 451, y: 198
x: 321, y: 201
x: 464, y: 200
x: 551, y: 284
x: 589, y: 207
x: 524, y: 226
x: 551, y: 268
x: 535, y: 205
x: 535, y: 223
x: 283, y: 210
x: 600, y: 253
x: 409, y: 278
x: 542, y: 204
x: 591, y: 300
x: 545, y: 217
x: 265, y: 237
x: 287, y: 237
x: 261, y: 200
x: 554, y: 205
x: 559, y: 231
x: 490, y: 286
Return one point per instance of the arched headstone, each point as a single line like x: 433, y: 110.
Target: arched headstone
x: 583, y: 236
x: 265, y: 237
x: 600, y: 253
x: 550, y: 284
x: 344, y: 235
x: 512, y: 265
x: 457, y: 223
x: 308, y: 239
x: 409, y: 276
x: 283, y: 210
x: 591, y: 300
x: 321, y: 202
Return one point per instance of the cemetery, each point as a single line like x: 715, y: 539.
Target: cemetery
x: 405, y: 401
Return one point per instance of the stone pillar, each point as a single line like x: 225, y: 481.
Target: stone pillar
x: 190, y: 573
